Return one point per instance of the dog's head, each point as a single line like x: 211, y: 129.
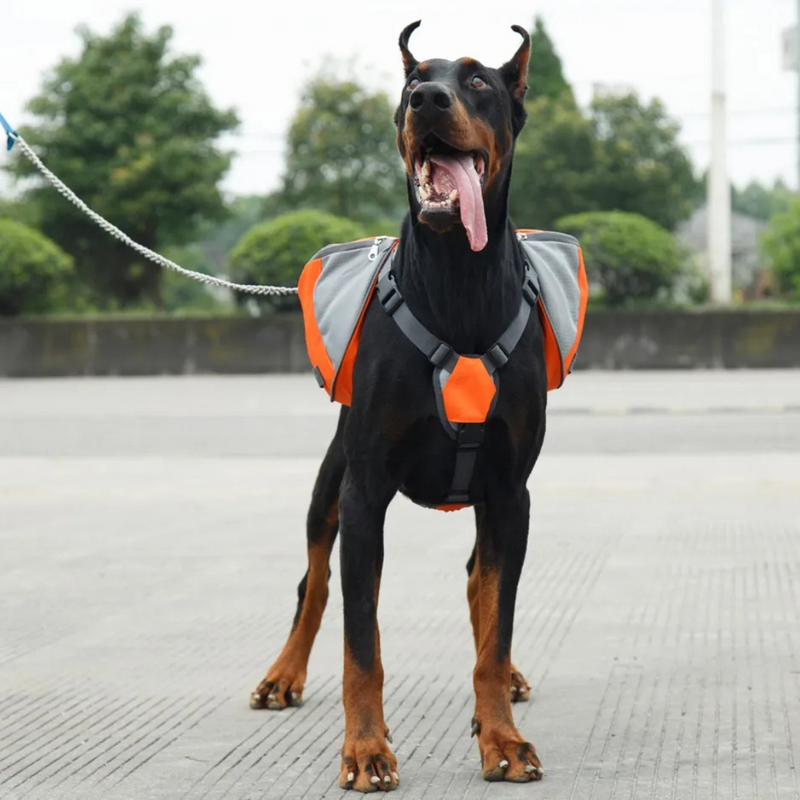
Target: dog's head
x: 456, y: 126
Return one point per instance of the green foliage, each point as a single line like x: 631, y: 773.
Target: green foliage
x: 629, y: 256
x: 625, y: 156
x: 342, y: 157
x: 545, y: 72
x: 275, y: 252
x: 553, y: 165
x: 781, y: 246
x: 762, y: 202
x: 21, y: 210
x: 31, y: 267
x: 130, y: 129
x: 641, y: 167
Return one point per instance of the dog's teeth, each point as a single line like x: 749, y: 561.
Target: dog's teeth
x: 454, y: 195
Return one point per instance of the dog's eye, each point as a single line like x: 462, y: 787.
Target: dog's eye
x: 413, y: 83
x: 478, y: 83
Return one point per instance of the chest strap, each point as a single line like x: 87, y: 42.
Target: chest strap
x: 468, y: 436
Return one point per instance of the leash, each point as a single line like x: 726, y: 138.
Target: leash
x: 12, y: 138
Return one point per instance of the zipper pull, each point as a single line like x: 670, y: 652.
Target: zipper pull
x: 521, y: 237
x: 373, y: 251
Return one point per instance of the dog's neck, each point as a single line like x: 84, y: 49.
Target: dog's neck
x: 465, y: 298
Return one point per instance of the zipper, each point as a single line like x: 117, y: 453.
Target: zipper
x: 373, y: 251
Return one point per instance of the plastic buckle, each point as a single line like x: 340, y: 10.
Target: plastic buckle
x: 498, y: 356
x: 470, y: 437
x: 530, y: 291
x: 440, y: 355
x: 391, y: 300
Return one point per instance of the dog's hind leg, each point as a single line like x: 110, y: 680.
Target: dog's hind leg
x: 520, y: 690
x: 285, y: 680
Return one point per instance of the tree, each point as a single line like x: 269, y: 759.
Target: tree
x: 31, y: 267
x: 342, y: 156
x: 781, y: 245
x: 130, y: 129
x: 762, y: 202
x: 630, y: 257
x: 275, y: 252
x: 545, y: 72
x: 641, y: 167
x: 553, y: 164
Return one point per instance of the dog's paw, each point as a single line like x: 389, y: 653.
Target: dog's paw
x: 520, y: 690
x: 507, y: 757
x: 278, y: 691
x: 368, y: 766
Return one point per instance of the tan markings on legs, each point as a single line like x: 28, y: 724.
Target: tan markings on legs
x: 285, y: 680
x: 367, y: 762
x: 505, y: 755
x: 519, y: 688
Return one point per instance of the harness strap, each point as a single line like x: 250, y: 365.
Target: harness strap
x: 468, y: 436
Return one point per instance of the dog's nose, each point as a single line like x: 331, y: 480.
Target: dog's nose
x: 431, y: 99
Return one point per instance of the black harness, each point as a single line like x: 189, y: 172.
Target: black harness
x: 467, y: 436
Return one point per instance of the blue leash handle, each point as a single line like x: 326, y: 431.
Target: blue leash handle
x: 11, y: 134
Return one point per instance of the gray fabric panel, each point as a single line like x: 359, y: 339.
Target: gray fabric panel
x: 342, y: 289
x: 556, y: 264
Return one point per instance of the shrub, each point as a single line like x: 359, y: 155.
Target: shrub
x: 31, y: 269
x: 781, y: 245
x: 630, y: 257
x: 275, y: 252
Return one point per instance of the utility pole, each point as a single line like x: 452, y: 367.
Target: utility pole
x: 719, y: 193
x: 797, y: 69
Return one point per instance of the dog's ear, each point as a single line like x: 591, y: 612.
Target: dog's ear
x: 515, y: 72
x: 409, y: 62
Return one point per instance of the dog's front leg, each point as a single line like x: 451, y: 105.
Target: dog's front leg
x: 502, y: 540
x: 367, y: 762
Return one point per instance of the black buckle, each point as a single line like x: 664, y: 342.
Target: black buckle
x: 440, y: 355
x: 470, y: 437
x: 530, y: 286
x: 391, y: 300
x: 458, y: 499
x: 498, y: 356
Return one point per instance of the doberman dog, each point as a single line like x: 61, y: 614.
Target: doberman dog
x: 459, y: 267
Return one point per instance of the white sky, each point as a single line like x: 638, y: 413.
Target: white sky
x: 257, y: 54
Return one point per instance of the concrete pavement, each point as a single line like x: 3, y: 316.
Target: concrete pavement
x: 151, y: 540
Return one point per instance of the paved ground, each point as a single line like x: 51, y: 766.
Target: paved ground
x: 151, y: 542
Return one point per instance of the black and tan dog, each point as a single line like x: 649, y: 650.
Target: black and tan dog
x: 460, y: 270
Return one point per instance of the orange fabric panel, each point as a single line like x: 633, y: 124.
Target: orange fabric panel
x: 583, y: 286
x: 452, y: 507
x: 343, y: 390
x: 552, y: 355
x: 316, y: 347
x: 469, y: 391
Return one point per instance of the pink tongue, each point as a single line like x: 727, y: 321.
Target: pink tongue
x: 473, y: 217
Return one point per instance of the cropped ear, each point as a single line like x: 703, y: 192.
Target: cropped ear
x: 409, y: 62
x: 515, y: 72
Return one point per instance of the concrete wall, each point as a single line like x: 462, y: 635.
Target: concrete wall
x: 612, y: 340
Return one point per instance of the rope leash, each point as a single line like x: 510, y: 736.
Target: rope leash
x: 14, y: 138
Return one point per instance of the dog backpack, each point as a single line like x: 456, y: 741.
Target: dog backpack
x: 338, y: 283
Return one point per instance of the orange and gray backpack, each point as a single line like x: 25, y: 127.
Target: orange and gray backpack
x: 337, y: 285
